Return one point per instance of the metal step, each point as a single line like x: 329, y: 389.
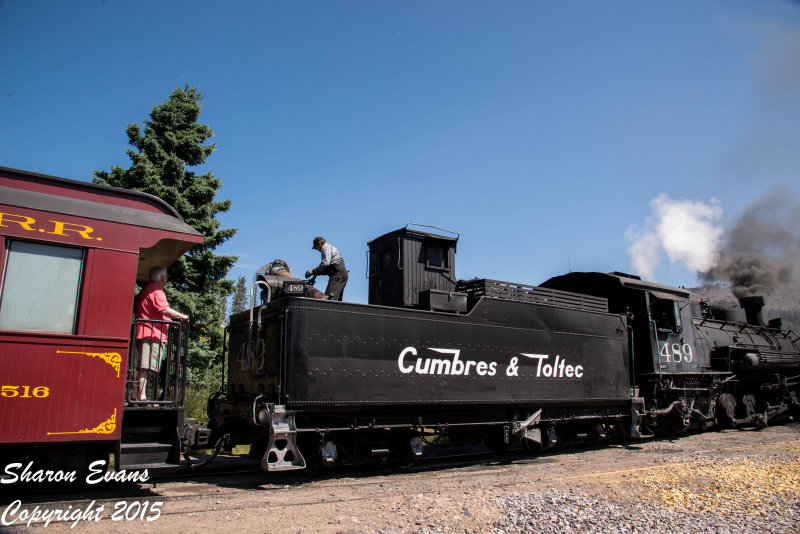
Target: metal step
x: 153, y: 468
x: 149, y: 439
x: 282, y: 451
x: 141, y: 434
x: 143, y: 453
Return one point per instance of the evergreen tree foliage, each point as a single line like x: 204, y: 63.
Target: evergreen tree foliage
x: 241, y: 300
x: 170, y: 142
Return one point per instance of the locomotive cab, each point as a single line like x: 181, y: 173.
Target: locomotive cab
x: 667, y: 366
x: 672, y: 335
x: 659, y: 318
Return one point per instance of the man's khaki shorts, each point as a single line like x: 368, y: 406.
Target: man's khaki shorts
x: 149, y: 354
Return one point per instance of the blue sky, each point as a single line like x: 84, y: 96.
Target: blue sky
x: 541, y: 132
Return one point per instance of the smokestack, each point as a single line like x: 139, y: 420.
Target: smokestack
x: 752, y: 308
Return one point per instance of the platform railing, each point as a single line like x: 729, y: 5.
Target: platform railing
x: 167, y: 386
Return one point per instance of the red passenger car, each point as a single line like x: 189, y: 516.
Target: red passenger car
x: 70, y: 254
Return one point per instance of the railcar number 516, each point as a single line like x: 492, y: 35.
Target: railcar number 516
x: 25, y: 392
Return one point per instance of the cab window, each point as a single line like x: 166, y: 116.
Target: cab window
x: 665, y: 314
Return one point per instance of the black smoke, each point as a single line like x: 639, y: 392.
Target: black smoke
x: 760, y: 254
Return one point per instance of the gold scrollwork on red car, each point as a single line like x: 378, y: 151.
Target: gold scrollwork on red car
x: 114, y: 359
x: 106, y: 427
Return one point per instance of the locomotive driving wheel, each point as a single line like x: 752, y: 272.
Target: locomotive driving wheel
x: 726, y: 411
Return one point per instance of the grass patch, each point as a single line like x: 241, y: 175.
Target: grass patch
x: 202, y: 384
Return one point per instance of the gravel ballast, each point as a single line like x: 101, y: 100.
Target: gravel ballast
x: 754, y: 493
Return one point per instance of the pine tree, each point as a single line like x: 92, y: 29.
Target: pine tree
x: 171, y: 141
x: 241, y: 301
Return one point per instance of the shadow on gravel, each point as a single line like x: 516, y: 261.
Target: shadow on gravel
x: 242, y: 472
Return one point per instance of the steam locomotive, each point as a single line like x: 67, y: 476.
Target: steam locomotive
x: 309, y: 382
x: 582, y: 357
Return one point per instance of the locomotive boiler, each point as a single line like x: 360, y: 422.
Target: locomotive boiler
x: 582, y: 357
x: 762, y: 358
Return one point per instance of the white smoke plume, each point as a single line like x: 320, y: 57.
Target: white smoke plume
x: 687, y: 231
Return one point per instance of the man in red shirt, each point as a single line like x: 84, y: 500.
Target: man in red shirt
x: 151, y: 338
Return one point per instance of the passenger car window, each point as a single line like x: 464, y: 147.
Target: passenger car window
x: 40, y: 287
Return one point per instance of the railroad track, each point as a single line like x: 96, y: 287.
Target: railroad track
x: 233, y: 490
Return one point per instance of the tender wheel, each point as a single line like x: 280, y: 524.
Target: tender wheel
x: 409, y: 450
x: 498, y: 438
x: 320, y: 455
x: 531, y: 446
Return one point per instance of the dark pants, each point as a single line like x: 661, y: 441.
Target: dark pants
x: 337, y: 279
